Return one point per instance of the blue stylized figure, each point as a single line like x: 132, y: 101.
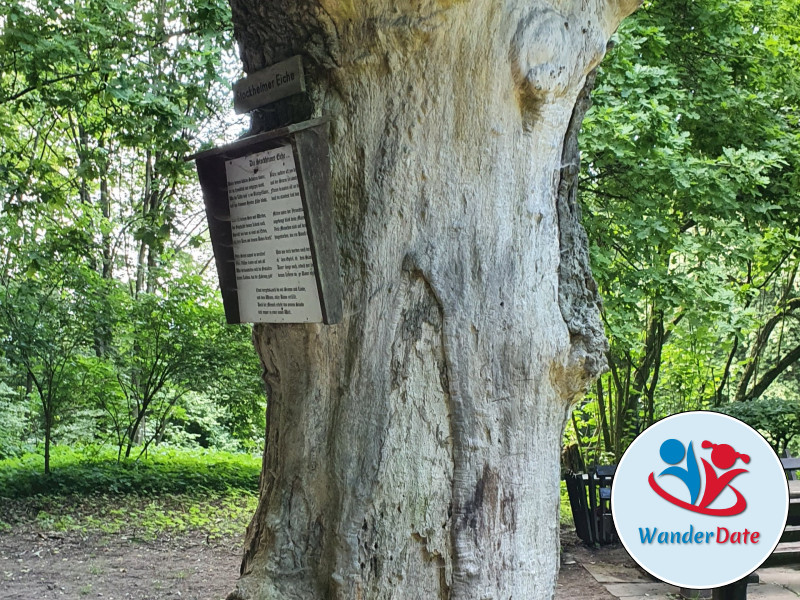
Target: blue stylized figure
x: 672, y: 452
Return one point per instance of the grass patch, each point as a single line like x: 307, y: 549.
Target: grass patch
x: 164, y: 471
x: 565, y: 510
x: 171, y: 492
x: 214, y: 517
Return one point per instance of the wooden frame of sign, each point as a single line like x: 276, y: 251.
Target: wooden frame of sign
x: 267, y: 200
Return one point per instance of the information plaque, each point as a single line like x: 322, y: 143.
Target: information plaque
x: 268, y: 85
x: 268, y: 205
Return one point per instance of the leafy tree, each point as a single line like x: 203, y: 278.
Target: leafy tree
x: 690, y: 194
x: 777, y: 419
x: 174, y: 342
x: 44, y: 327
x: 100, y: 101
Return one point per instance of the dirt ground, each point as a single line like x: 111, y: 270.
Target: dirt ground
x: 574, y: 581
x: 35, y: 566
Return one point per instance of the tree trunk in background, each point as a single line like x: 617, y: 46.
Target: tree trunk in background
x: 413, y: 449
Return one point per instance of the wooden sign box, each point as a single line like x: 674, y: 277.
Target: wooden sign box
x: 267, y: 201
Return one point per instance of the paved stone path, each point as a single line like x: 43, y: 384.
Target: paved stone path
x: 628, y: 582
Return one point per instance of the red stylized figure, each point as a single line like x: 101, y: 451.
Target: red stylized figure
x: 724, y: 457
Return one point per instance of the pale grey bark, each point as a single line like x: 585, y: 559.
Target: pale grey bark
x: 413, y: 449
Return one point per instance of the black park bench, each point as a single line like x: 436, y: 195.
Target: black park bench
x: 785, y: 552
x: 590, y: 501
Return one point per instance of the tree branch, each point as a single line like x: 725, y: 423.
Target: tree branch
x: 41, y: 84
x: 770, y: 376
x: 759, y: 345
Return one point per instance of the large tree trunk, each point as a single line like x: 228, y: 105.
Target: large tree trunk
x: 413, y: 449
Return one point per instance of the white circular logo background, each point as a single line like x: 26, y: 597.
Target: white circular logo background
x: 690, y: 493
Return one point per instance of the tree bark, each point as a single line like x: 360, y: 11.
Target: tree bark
x: 413, y: 449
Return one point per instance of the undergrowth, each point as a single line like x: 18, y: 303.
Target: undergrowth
x: 212, y: 518
x: 565, y: 510
x: 164, y: 471
x: 207, y: 494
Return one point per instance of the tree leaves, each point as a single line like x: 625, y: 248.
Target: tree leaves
x: 100, y: 100
x: 690, y: 195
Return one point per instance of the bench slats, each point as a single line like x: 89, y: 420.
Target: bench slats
x: 790, y: 534
x: 788, y: 551
x: 790, y: 464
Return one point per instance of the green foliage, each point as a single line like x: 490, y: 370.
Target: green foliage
x: 203, y: 421
x: 564, y: 507
x: 108, y: 315
x: 689, y: 193
x: 585, y: 429
x: 14, y: 419
x: 174, y: 343
x: 212, y: 494
x: 44, y: 323
x: 776, y: 419
x: 89, y: 472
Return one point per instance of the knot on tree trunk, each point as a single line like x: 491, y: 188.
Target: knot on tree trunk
x: 543, y: 53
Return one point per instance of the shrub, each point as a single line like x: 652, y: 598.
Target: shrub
x: 91, y: 470
x: 776, y: 419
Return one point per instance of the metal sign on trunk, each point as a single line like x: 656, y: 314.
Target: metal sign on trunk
x: 268, y: 85
x: 268, y: 205
x: 272, y: 253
